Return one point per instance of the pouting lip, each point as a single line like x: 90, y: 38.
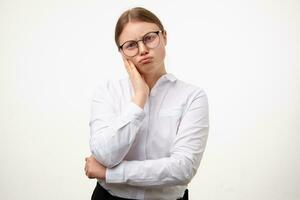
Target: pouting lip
x: 146, y: 58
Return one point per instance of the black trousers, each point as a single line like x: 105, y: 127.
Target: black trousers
x: 101, y: 194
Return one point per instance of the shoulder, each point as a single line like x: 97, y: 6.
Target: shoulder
x: 195, y: 97
x: 190, y: 89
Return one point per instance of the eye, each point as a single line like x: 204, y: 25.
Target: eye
x: 130, y: 45
x: 150, y: 37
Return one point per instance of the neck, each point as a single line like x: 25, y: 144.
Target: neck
x: 151, y: 78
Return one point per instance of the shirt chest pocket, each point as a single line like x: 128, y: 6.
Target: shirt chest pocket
x: 167, y: 122
x: 169, y: 119
x: 170, y: 112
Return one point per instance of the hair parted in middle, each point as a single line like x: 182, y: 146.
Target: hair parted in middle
x: 132, y: 15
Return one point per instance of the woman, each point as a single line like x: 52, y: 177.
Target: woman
x: 148, y: 131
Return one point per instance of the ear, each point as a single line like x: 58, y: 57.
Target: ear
x: 165, y: 36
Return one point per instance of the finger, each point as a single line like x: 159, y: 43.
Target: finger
x: 127, y: 66
x: 131, y: 64
x: 126, y: 62
x: 86, y: 158
x: 124, y: 59
x: 134, y: 69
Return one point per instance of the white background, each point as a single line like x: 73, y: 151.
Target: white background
x: 245, y: 54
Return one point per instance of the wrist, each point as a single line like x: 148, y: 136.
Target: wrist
x: 140, y: 100
x: 104, y: 174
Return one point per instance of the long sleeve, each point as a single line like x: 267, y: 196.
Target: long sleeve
x: 185, y: 155
x: 112, y: 133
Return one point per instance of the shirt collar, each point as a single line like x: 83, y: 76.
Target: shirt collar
x: 170, y: 77
x: 164, y: 78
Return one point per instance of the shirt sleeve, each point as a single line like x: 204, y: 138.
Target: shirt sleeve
x: 185, y: 155
x: 112, y: 133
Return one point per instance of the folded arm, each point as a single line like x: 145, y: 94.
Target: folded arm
x: 185, y: 155
x: 112, y: 133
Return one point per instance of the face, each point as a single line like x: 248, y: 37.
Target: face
x: 136, y: 31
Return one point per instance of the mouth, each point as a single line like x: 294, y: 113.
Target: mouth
x: 146, y: 60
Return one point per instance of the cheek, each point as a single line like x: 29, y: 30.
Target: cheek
x: 135, y: 61
x: 160, y: 53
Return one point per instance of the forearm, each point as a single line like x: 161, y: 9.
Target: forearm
x: 111, y: 139
x: 178, y: 169
x: 152, y: 173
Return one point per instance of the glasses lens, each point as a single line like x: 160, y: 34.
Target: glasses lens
x: 151, y: 40
x: 130, y: 48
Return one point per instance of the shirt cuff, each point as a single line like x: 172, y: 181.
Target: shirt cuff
x: 115, y: 174
x: 136, y: 111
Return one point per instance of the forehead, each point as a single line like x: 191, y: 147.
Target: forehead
x: 136, y: 30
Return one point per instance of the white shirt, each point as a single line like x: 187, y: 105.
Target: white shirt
x: 154, y: 152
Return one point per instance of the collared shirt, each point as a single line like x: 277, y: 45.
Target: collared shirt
x: 151, y: 152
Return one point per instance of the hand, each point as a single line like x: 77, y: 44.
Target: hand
x: 139, y: 84
x: 93, y: 169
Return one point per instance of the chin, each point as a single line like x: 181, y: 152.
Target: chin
x: 147, y: 67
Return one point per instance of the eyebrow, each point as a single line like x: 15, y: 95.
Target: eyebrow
x: 139, y: 37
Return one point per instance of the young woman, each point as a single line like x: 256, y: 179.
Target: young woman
x: 148, y: 131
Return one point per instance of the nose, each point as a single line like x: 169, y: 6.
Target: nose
x: 142, y: 48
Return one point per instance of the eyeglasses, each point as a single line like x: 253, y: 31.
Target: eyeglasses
x: 131, y: 47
